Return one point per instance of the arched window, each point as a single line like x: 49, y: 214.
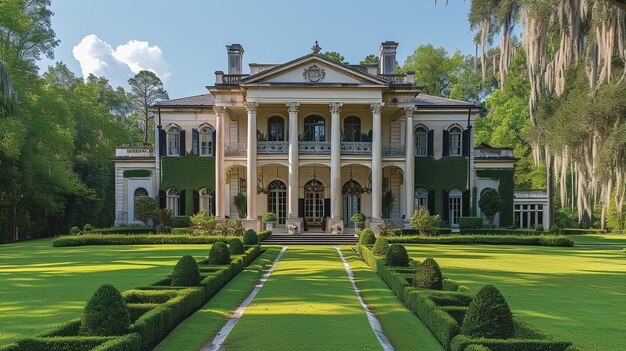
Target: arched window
x: 173, y: 141
x: 455, y: 201
x: 421, y: 198
x: 173, y: 201
x: 206, y: 141
x: 277, y: 200
x: 455, y: 137
x: 352, y: 129
x: 140, y: 192
x: 207, y: 200
x: 276, y: 129
x: 421, y: 141
x: 314, y: 129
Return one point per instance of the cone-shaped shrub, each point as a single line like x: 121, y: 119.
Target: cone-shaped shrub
x: 381, y: 246
x: 397, y: 256
x: 250, y: 238
x: 105, y: 314
x: 428, y: 276
x: 236, y: 246
x: 367, y: 237
x: 219, y: 254
x: 488, y: 316
x: 186, y: 272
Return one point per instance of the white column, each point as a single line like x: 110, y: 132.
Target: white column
x: 292, y: 187
x: 335, y: 160
x: 409, y: 171
x: 220, y: 177
x: 251, y: 161
x: 377, y: 161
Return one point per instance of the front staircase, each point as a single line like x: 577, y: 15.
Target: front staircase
x: 311, y: 239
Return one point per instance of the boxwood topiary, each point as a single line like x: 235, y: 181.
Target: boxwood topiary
x: 428, y: 276
x: 488, y: 316
x: 367, y: 237
x: 250, y: 238
x: 397, y: 256
x: 186, y: 272
x: 236, y: 246
x: 75, y: 230
x: 105, y: 314
x: 87, y: 228
x: 381, y: 246
x: 219, y: 254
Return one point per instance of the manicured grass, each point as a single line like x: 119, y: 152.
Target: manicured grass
x: 201, y: 327
x: 403, y: 329
x: 599, y: 239
x: 307, y: 304
x: 42, y: 286
x: 575, y: 294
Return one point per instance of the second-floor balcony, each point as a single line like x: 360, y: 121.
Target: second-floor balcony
x: 314, y: 148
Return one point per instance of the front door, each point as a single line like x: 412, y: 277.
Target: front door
x: 277, y: 200
x: 314, y: 202
x: 351, y: 205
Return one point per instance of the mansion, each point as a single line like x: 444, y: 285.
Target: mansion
x: 315, y: 141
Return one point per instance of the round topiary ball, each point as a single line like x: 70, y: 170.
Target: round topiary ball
x: 367, y: 237
x: 75, y: 230
x: 397, y: 256
x: 87, y: 227
x: 428, y: 276
x: 219, y: 254
x: 250, y: 238
x: 186, y: 272
x: 105, y: 314
x: 236, y: 246
x: 488, y: 316
x: 381, y: 246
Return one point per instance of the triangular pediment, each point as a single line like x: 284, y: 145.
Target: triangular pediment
x: 313, y: 69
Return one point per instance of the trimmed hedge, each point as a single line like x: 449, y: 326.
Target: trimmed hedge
x: 498, y: 231
x: 137, y: 173
x: 413, y: 231
x: 470, y: 222
x: 186, y: 272
x: 83, y: 240
x: 381, y: 246
x: 181, y: 222
x: 105, y: 314
x: 475, y: 347
x: 576, y: 231
x: 534, y: 240
x: 397, y: 256
x: 367, y: 237
x: 461, y: 342
x: 123, y: 230
x: 262, y: 235
x: 428, y: 276
x: 488, y: 316
x: 235, y: 246
x: 219, y: 254
x: 250, y: 237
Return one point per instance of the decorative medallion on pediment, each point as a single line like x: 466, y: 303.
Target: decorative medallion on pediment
x: 313, y: 74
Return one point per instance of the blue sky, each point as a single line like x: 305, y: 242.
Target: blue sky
x: 184, y: 41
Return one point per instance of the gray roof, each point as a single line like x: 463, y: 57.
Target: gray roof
x: 429, y: 100
x: 204, y: 100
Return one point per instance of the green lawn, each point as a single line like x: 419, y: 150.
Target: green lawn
x: 201, y: 327
x: 577, y: 294
x: 599, y: 239
x: 42, y: 285
x: 307, y: 304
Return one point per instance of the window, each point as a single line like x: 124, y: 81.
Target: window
x: 173, y: 141
x: 529, y: 216
x: 207, y: 200
x: 314, y: 129
x: 173, y: 200
x: 276, y: 129
x: 421, y: 141
x: 206, y: 141
x: 421, y: 198
x: 455, y: 141
x: 455, y: 199
x: 352, y: 129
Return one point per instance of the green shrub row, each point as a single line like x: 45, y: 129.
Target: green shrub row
x: 498, y: 231
x: 462, y: 343
x: 262, y: 235
x: 470, y: 222
x: 413, y: 231
x: 123, y: 230
x: 535, y: 240
x: 576, y: 231
x: 147, y: 239
x: 181, y: 222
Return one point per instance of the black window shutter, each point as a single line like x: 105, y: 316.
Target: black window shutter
x: 181, y: 203
x: 162, y: 198
x: 182, y: 143
x: 431, y: 202
x: 445, y: 213
x: 162, y: 142
x: 446, y: 143
x: 326, y: 207
x: 466, y: 204
x: 196, y: 201
x: 465, y: 142
x: 431, y: 143
x: 300, y: 207
x: 194, y: 142
x: 214, y: 144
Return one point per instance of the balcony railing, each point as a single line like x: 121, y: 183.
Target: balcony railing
x: 235, y: 149
x: 356, y: 148
x: 134, y: 152
x: 272, y: 147
x: 531, y: 194
x: 393, y: 150
x: 493, y: 153
x: 232, y: 79
x: 314, y: 148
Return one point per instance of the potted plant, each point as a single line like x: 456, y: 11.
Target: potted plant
x: 269, y: 219
x: 359, y: 221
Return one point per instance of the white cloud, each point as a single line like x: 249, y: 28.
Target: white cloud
x: 118, y: 65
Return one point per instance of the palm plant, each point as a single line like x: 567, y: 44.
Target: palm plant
x: 241, y: 204
x: 163, y: 218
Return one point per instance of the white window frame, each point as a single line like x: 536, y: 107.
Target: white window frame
x: 173, y: 141
x: 205, y: 141
x: 421, y: 141
x: 206, y: 203
x: 421, y: 198
x: 173, y: 201
x: 455, y: 141
x: 455, y: 206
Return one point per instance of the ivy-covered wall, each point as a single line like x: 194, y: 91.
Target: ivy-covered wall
x: 137, y: 173
x: 188, y: 173
x: 443, y: 174
x: 506, y: 190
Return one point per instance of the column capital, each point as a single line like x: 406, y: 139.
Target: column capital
x: 219, y: 110
x: 409, y: 110
x: 251, y: 106
x: 293, y: 107
x: 335, y: 107
x: 377, y: 107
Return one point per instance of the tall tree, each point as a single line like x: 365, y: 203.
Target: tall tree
x: 146, y: 89
x: 335, y: 56
x: 370, y: 60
